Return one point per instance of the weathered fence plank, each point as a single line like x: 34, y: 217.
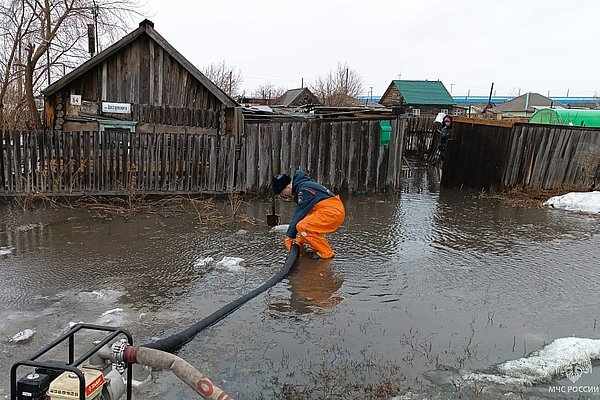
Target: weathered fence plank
x: 488, y: 157
x: 342, y: 154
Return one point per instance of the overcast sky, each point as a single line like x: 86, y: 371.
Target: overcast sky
x: 526, y: 45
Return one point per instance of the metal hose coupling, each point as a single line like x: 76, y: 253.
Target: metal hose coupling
x: 118, y: 350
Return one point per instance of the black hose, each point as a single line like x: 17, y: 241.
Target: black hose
x: 176, y: 341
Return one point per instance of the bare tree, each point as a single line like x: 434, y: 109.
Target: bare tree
x: 341, y: 87
x: 268, y: 91
x: 38, y: 35
x: 228, y: 79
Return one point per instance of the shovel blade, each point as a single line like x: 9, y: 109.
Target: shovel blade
x: 272, y: 220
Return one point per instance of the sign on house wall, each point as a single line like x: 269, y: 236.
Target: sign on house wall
x: 116, y: 108
x: 75, y: 100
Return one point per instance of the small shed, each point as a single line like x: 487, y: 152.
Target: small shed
x: 418, y: 97
x: 297, y: 98
x: 140, y: 83
x: 568, y: 117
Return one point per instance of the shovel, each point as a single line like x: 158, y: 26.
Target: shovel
x: 272, y: 219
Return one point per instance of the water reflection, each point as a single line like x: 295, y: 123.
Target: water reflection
x: 314, y: 284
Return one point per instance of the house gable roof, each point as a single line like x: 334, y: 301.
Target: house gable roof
x: 291, y: 95
x: 422, y: 92
x: 146, y: 27
x: 518, y: 103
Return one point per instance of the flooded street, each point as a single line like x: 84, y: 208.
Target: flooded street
x: 426, y: 286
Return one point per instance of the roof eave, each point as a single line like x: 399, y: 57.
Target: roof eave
x: 94, y: 61
x: 149, y: 30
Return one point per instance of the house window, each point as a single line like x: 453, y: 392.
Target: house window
x: 444, y: 110
x: 416, y: 112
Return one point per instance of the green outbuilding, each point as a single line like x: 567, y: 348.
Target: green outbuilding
x: 569, y: 117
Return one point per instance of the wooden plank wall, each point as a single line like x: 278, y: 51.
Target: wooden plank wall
x: 343, y: 155
x: 487, y: 157
x: 421, y: 138
x: 550, y: 156
x: 115, y: 162
x: 175, y: 116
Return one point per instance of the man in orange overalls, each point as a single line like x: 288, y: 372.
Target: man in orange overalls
x: 319, y: 212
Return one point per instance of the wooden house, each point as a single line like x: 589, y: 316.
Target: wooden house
x: 141, y: 84
x: 418, y: 98
x: 297, y: 98
x: 525, y: 105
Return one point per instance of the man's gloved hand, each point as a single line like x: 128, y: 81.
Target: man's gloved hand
x: 289, y: 242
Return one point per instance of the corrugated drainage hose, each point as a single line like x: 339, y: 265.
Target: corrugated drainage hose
x: 160, y: 360
x: 176, y: 341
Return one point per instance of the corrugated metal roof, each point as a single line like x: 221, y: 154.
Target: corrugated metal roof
x: 424, y: 92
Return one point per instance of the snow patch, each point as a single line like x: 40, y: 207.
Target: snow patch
x: 113, y: 311
x: 280, y: 228
x: 232, y: 264
x: 103, y: 294
x: 497, y: 379
x: 23, y: 336
x: 203, y: 262
x: 576, y: 201
x: 241, y: 232
x: 4, y: 251
x: 570, y: 357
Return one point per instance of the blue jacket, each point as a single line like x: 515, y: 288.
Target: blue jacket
x: 306, y: 193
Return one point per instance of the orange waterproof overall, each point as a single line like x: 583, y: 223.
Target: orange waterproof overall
x: 325, y: 217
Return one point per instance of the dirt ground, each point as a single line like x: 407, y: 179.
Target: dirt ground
x: 529, y: 197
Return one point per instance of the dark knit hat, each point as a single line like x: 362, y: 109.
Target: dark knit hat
x: 279, y: 182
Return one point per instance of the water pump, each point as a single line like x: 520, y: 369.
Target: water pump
x: 89, y: 377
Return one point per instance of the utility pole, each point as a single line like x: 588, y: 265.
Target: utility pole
x: 230, y: 81
x: 302, y: 85
x: 371, y: 94
x: 95, y: 14
x: 346, y: 80
x: 451, y: 88
x: 48, y: 61
x: 489, y: 103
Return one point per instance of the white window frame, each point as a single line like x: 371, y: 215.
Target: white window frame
x: 416, y: 112
x: 444, y: 110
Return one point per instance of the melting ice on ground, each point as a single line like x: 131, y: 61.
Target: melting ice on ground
x: 280, y: 228
x: 576, y: 201
x: 232, y: 264
x: 570, y: 357
x: 23, y: 336
x: 113, y: 311
x: 203, y: 262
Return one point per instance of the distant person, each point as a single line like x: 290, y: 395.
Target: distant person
x: 446, y: 132
x: 319, y: 212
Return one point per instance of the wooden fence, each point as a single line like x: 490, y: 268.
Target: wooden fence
x: 114, y: 162
x: 483, y: 156
x: 421, y: 138
x: 344, y: 155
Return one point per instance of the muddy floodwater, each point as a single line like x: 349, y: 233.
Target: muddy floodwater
x: 427, y: 285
